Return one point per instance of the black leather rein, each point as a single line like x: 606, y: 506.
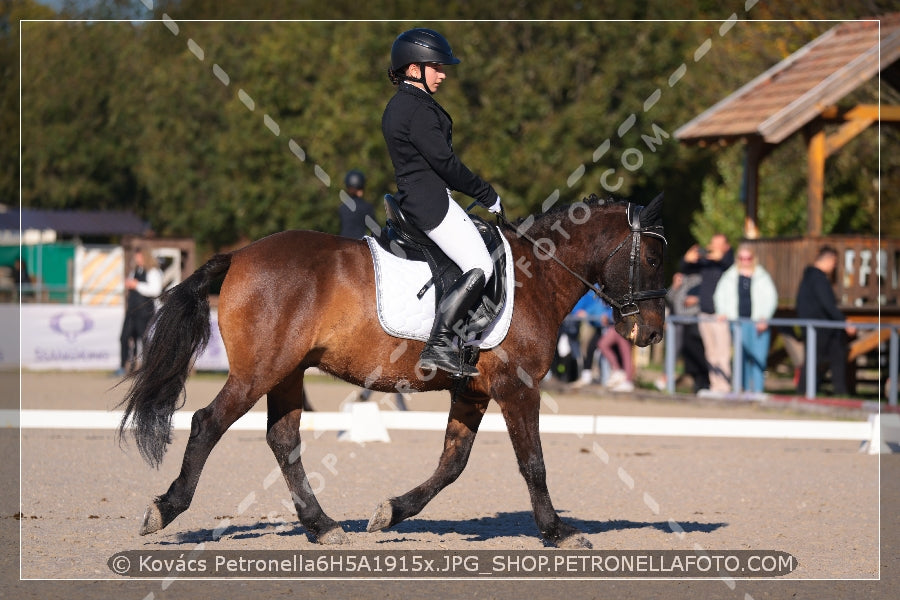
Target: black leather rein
x: 627, y: 305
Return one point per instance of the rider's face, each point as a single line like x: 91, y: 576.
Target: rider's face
x: 434, y: 75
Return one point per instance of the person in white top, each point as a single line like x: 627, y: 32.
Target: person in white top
x: 142, y: 287
x: 746, y: 291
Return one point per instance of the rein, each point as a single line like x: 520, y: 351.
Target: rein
x: 628, y: 304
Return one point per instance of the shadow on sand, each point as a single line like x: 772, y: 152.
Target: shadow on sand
x: 504, y: 524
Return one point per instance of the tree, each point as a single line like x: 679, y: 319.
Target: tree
x: 74, y: 145
x: 11, y: 13
x: 229, y: 131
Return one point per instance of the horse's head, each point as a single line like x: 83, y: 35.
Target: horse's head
x: 632, y: 276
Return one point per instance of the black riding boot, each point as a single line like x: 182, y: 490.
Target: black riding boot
x: 452, y: 314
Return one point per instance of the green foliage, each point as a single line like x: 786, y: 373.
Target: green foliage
x: 75, y: 145
x: 131, y: 115
x: 11, y: 13
x: 721, y: 205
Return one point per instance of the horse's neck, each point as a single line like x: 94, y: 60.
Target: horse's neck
x: 577, y: 246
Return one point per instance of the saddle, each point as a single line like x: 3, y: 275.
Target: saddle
x: 402, y: 239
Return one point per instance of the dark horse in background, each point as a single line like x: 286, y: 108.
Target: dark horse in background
x: 301, y: 299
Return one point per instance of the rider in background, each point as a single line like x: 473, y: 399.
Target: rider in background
x: 418, y: 133
x: 355, y: 211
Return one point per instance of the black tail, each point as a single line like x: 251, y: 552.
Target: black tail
x: 179, y: 331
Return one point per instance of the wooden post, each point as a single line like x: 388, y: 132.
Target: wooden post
x: 754, y: 153
x: 815, y: 188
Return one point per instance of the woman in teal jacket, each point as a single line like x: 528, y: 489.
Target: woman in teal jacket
x: 746, y: 291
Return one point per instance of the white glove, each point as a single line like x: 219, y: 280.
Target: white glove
x: 495, y: 208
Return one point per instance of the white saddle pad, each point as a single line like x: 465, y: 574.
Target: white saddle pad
x: 403, y: 315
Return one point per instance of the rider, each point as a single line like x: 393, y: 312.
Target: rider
x: 418, y: 134
x: 355, y: 212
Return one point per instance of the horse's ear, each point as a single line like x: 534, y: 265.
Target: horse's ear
x: 652, y: 213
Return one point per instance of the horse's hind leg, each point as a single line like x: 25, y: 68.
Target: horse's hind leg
x: 207, y: 427
x: 283, y: 435
x: 465, y: 417
x: 521, y: 416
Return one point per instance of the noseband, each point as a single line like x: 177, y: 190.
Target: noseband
x: 628, y: 304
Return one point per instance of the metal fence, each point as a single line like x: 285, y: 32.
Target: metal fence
x: 810, y: 351
x: 39, y: 292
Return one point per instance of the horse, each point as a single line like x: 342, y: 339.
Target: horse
x: 300, y: 299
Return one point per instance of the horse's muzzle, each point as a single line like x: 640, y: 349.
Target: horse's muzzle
x: 638, y: 333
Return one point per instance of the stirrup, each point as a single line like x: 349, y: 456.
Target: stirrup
x: 432, y: 358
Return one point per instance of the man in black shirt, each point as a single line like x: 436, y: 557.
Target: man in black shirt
x: 143, y: 285
x: 816, y: 300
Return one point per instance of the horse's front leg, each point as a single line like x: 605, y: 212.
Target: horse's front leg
x: 521, y: 412
x: 462, y: 425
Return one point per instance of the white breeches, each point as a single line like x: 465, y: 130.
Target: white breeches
x: 458, y: 237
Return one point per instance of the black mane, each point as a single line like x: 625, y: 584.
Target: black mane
x: 544, y: 221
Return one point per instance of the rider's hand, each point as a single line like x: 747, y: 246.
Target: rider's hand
x: 496, y: 207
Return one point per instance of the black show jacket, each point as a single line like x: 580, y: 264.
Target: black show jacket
x: 418, y: 133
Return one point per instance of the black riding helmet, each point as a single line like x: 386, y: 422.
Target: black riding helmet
x: 420, y: 46
x: 355, y: 179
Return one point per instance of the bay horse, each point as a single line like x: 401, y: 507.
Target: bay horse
x: 299, y: 299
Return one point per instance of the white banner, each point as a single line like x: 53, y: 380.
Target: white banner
x: 67, y: 337
x: 213, y: 358
x: 77, y: 338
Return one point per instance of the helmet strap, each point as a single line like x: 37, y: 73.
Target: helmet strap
x: 420, y: 79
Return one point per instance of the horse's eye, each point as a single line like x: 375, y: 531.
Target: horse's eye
x: 653, y: 262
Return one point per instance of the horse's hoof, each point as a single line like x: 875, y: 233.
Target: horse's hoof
x: 382, y: 517
x: 576, y: 541
x: 153, y: 520
x: 333, y: 537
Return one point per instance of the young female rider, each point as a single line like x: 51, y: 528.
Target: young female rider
x: 418, y: 135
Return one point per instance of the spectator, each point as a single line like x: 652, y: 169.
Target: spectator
x: 746, y: 291
x: 589, y: 309
x: 355, y: 212
x: 710, y: 264
x: 21, y: 278
x: 617, y: 350
x: 684, y: 300
x: 816, y: 300
x: 567, y: 359
x: 142, y: 286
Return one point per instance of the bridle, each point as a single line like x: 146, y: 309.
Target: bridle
x: 627, y: 305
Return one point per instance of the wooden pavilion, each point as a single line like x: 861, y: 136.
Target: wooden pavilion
x: 806, y: 93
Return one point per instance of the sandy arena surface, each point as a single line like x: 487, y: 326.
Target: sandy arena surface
x: 82, y: 499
